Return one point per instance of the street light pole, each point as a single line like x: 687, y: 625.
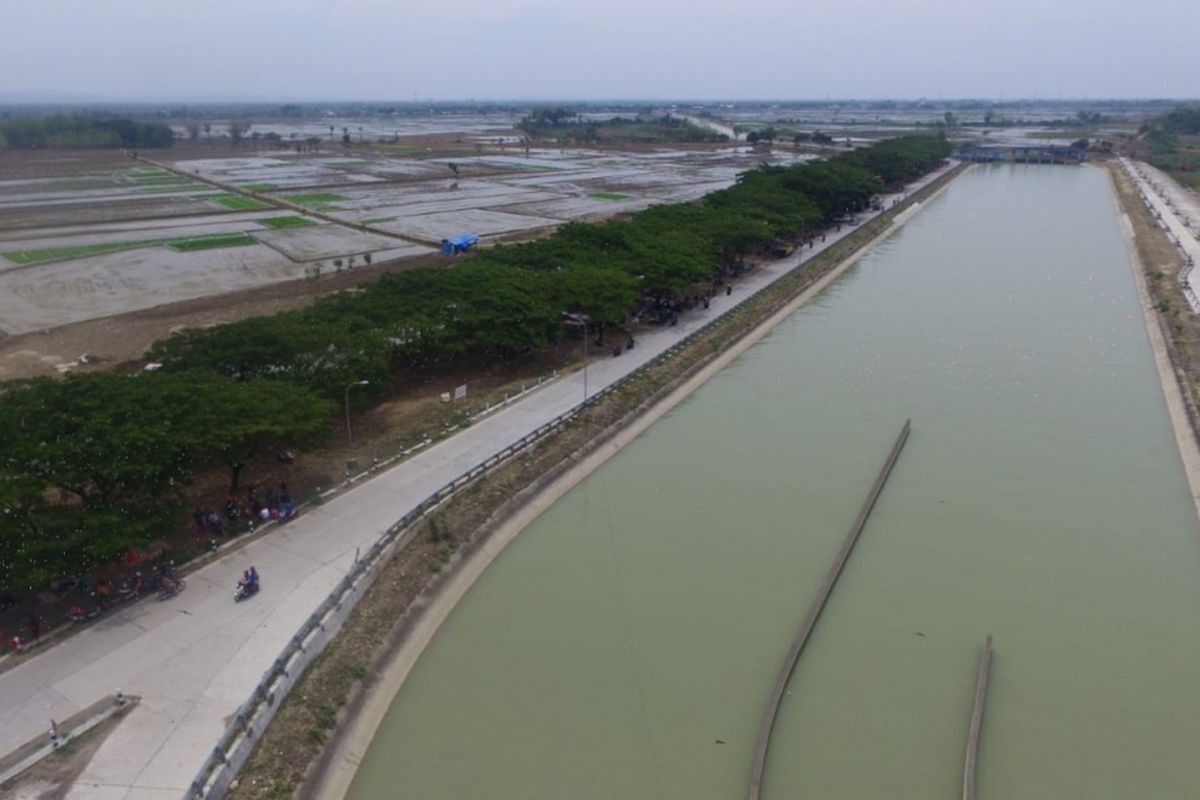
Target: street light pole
x: 585, y: 338
x: 349, y: 434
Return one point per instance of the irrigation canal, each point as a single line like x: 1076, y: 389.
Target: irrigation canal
x: 625, y: 645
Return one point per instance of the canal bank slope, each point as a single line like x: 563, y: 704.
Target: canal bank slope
x: 335, y: 771
x: 1173, y: 370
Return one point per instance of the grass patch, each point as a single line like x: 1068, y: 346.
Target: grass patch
x: 185, y: 244
x: 211, y: 241
x: 313, y: 198
x: 259, y: 187
x: 608, y: 196
x: 286, y: 222
x: 235, y: 202
x: 26, y: 257
x: 169, y: 187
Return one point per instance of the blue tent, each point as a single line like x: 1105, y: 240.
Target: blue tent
x: 459, y: 244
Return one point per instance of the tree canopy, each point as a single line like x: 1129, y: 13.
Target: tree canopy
x: 93, y: 465
x: 61, y: 130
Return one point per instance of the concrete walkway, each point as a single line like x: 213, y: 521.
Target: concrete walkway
x: 195, y: 659
x: 1178, y: 213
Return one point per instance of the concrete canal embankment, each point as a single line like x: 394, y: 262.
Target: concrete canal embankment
x: 624, y: 644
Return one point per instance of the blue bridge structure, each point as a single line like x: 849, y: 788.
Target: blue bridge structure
x: 1022, y: 154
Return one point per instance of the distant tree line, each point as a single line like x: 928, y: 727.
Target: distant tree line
x: 95, y: 464
x: 1184, y: 119
x: 1172, y: 147
x: 565, y: 125
x: 63, y: 130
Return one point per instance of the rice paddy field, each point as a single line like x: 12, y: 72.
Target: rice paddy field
x: 89, y: 234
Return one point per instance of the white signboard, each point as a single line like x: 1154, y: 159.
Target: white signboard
x: 460, y: 392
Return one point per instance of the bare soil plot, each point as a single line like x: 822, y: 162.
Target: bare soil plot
x: 478, y: 221
x: 115, y: 340
x: 62, y: 292
x: 311, y: 243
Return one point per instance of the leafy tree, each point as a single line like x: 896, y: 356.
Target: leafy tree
x: 238, y: 130
x: 605, y: 294
x: 237, y: 421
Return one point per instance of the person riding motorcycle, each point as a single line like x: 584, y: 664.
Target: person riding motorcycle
x: 248, y: 585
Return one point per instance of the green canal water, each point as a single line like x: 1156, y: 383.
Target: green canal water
x: 624, y: 645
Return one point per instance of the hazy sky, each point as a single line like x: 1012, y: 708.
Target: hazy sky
x: 398, y: 49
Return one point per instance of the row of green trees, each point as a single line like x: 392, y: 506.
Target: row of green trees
x: 63, y: 130
x: 94, y: 464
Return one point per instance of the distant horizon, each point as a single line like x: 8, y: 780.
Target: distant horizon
x: 123, y: 51
x: 35, y: 98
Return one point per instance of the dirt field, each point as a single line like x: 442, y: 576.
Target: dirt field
x: 120, y: 341
x: 86, y: 235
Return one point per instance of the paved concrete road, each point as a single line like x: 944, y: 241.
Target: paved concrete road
x: 195, y: 659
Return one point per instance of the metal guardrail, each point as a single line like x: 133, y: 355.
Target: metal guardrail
x: 253, y: 716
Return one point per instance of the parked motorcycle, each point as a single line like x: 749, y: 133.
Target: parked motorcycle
x: 132, y: 588
x: 169, y: 587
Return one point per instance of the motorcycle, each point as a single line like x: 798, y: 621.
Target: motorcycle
x: 168, y: 581
x: 245, y: 591
x: 76, y: 613
x: 131, y: 588
x: 169, y: 587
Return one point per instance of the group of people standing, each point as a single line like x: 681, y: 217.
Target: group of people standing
x: 274, y: 505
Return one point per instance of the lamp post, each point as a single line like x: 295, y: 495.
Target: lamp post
x: 349, y: 434
x: 585, y: 338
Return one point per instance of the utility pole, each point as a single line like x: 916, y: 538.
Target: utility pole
x: 349, y: 434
